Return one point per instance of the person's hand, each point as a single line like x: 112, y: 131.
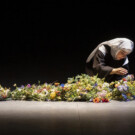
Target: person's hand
x: 119, y: 71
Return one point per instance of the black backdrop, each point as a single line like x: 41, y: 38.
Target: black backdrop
x: 50, y: 41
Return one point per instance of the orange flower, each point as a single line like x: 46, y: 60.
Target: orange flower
x: 57, y: 91
x: 38, y: 91
x: 128, y: 94
x: 116, y: 85
x: 56, y: 84
x: 96, y: 100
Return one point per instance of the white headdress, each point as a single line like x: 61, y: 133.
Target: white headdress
x: 116, y: 45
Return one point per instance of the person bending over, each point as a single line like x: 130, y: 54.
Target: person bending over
x: 110, y: 59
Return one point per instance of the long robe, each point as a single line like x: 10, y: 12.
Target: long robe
x: 103, y: 64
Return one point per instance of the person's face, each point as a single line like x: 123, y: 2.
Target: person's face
x: 121, y: 55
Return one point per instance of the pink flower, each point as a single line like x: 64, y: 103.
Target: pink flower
x: 28, y: 85
x: 102, y: 93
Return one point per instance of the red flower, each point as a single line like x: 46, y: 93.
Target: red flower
x: 4, y: 96
x: 124, y: 79
x: 105, y: 100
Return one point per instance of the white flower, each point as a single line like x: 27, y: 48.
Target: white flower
x: 1, y: 88
x: 42, y: 95
x: 77, y: 90
x: 6, y: 91
x: 125, y: 82
x: 45, y: 91
x: 19, y: 89
x: 105, y: 85
x: 36, y: 91
x: 52, y: 90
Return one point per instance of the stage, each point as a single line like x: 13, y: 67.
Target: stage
x: 67, y: 118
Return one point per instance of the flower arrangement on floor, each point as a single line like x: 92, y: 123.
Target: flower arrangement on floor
x: 79, y: 88
x: 86, y: 88
x: 124, y: 89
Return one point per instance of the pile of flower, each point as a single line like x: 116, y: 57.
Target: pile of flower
x: 86, y: 88
x: 79, y: 88
x: 44, y: 92
x: 124, y: 89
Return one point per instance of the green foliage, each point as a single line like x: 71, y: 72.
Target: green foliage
x: 79, y: 88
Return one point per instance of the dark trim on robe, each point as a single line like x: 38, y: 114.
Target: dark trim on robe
x: 103, y: 64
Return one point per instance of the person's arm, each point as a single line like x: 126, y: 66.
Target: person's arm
x: 100, y: 66
x: 103, y: 70
x: 121, y: 70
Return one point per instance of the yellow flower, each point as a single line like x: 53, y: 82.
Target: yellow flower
x: 112, y: 83
x: 79, y: 83
x: 53, y: 95
x: 59, y: 98
x: 109, y: 94
x: 120, y: 96
x: 69, y: 99
x: 89, y: 87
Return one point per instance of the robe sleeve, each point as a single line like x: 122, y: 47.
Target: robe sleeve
x: 100, y: 66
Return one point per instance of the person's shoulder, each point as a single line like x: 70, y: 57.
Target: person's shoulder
x: 103, y: 50
x: 100, y: 53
